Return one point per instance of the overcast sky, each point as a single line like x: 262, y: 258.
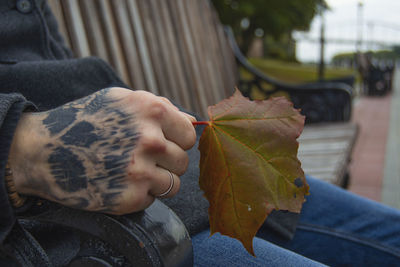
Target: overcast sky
x: 380, y: 20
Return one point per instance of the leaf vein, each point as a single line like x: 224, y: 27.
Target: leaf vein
x: 207, y: 156
x: 246, y: 146
x: 256, y: 119
x: 231, y: 187
x: 262, y: 158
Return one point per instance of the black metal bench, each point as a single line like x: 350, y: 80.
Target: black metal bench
x: 327, y: 101
x: 377, y: 76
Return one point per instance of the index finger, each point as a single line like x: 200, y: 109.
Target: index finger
x: 166, y: 100
x: 178, y: 128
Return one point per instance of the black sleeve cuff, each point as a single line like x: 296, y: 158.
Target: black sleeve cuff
x: 11, y: 108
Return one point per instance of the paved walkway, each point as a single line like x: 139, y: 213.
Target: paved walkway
x: 391, y: 182
x: 366, y: 168
x: 377, y: 152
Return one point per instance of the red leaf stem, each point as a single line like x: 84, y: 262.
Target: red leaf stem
x: 201, y: 123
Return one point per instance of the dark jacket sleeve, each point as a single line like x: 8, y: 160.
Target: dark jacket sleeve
x: 11, y: 108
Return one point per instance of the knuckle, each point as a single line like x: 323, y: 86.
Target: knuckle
x: 166, y: 100
x: 153, y: 143
x: 142, y: 93
x: 133, y: 97
x: 157, y: 109
x: 116, y: 88
x: 120, y: 90
x: 138, y: 97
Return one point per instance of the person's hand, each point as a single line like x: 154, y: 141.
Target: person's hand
x: 111, y: 151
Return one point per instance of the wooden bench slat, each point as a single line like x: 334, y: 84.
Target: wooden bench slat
x: 210, y: 50
x: 129, y: 46
x: 112, y: 39
x: 152, y: 42
x: 170, y: 87
x: 326, y: 134
x: 326, y: 147
x: 138, y: 30
x: 325, y: 150
x: 94, y: 30
x: 314, y: 162
x: 231, y: 72
x: 57, y: 10
x: 174, y: 63
x: 198, y: 55
x: 191, y: 57
x: 184, y: 44
x: 329, y: 178
x: 76, y: 30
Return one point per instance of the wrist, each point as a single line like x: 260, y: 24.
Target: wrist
x: 24, y: 154
x: 16, y: 199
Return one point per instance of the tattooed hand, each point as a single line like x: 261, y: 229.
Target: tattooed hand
x: 108, y: 152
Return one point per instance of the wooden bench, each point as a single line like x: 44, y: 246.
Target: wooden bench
x: 172, y: 48
x: 325, y: 151
x: 179, y: 49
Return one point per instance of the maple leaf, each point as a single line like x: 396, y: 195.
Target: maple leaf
x: 249, y: 165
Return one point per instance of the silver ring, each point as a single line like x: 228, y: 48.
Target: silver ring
x: 171, y: 176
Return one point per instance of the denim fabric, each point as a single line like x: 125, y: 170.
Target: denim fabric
x: 339, y: 228
x: 336, y: 228
x: 223, y: 251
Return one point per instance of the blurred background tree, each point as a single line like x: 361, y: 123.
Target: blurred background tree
x: 276, y: 19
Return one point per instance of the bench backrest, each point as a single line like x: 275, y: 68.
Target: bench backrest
x: 173, y: 48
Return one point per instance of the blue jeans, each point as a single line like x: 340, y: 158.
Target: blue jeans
x: 336, y: 228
